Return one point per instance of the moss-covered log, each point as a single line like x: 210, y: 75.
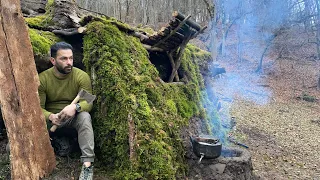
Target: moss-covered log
x: 127, y: 83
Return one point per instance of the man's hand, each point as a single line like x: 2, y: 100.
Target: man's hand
x: 54, y: 118
x: 68, y: 112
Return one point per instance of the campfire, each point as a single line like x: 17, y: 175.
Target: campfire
x: 208, y: 158
x: 206, y: 147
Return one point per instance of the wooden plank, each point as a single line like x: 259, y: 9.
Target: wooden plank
x: 31, y: 153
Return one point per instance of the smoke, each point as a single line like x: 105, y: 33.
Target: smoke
x: 252, y: 25
x: 223, y: 92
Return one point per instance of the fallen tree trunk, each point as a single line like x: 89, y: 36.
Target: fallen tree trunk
x: 31, y: 153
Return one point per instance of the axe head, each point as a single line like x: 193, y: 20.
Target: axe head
x: 83, y: 94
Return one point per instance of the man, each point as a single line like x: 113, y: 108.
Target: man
x: 59, y: 85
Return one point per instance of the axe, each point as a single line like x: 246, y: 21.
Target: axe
x: 83, y: 94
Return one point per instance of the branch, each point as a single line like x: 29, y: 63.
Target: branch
x: 70, y: 32
x: 210, y: 8
x: 141, y: 36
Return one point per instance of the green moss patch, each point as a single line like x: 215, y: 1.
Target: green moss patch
x: 41, y: 41
x: 42, y: 21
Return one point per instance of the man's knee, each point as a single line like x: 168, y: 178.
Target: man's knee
x: 84, y: 115
x: 83, y: 119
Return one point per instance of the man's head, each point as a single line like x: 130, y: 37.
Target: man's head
x: 62, y: 57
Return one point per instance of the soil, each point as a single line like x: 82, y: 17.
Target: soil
x: 68, y: 168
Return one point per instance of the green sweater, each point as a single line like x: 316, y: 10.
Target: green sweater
x: 56, y: 93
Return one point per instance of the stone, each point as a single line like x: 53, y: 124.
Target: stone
x: 218, y: 168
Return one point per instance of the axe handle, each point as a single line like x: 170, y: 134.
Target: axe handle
x: 54, y: 127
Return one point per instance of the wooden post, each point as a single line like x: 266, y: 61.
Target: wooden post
x: 173, y: 65
x: 31, y: 153
x: 178, y: 61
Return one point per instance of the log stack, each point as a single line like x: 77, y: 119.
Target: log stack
x: 172, y: 39
x: 181, y: 28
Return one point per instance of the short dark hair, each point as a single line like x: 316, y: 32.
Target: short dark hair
x: 57, y: 46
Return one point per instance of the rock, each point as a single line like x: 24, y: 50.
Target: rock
x: 218, y: 168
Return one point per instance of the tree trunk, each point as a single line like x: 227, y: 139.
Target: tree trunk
x: 318, y: 28
x: 31, y: 155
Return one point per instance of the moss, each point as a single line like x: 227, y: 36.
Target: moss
x: 41, y: 41
x: 44, y: 20
x: 172, y: 106
x: 127, y: 83
x: 201, y: 57
x: 148, y: 30
x: 122, y: 26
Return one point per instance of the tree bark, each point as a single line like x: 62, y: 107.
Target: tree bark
x: 31, y: 153
x: 318, y: 28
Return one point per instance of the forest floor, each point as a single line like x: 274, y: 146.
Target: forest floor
x: 68, y: 168
x: 280, y: 125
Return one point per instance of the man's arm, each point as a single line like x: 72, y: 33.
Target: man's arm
x: 42, y: 96
x: 85, y: 83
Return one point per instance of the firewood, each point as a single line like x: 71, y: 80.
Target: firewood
x: 191, y: 23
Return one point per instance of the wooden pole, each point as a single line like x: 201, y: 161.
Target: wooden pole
x: 191, y: 23
x: 173, y: 65
x: 31, y: 153
x: 178, y: 61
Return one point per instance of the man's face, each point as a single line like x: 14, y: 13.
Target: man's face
x: 64, y: 61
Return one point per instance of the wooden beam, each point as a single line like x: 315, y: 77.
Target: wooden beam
x: 191, y: 23
x: 173, y: 65
x: 178, y: 61
x: 141, y: 36
x: 173, y: 32
x: 150, y: 48
x: 70, y: 32
x: 199, y: 32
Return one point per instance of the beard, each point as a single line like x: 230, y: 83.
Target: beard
x: 64, y: 70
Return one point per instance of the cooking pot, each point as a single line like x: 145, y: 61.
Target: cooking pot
x: 206, y: 147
